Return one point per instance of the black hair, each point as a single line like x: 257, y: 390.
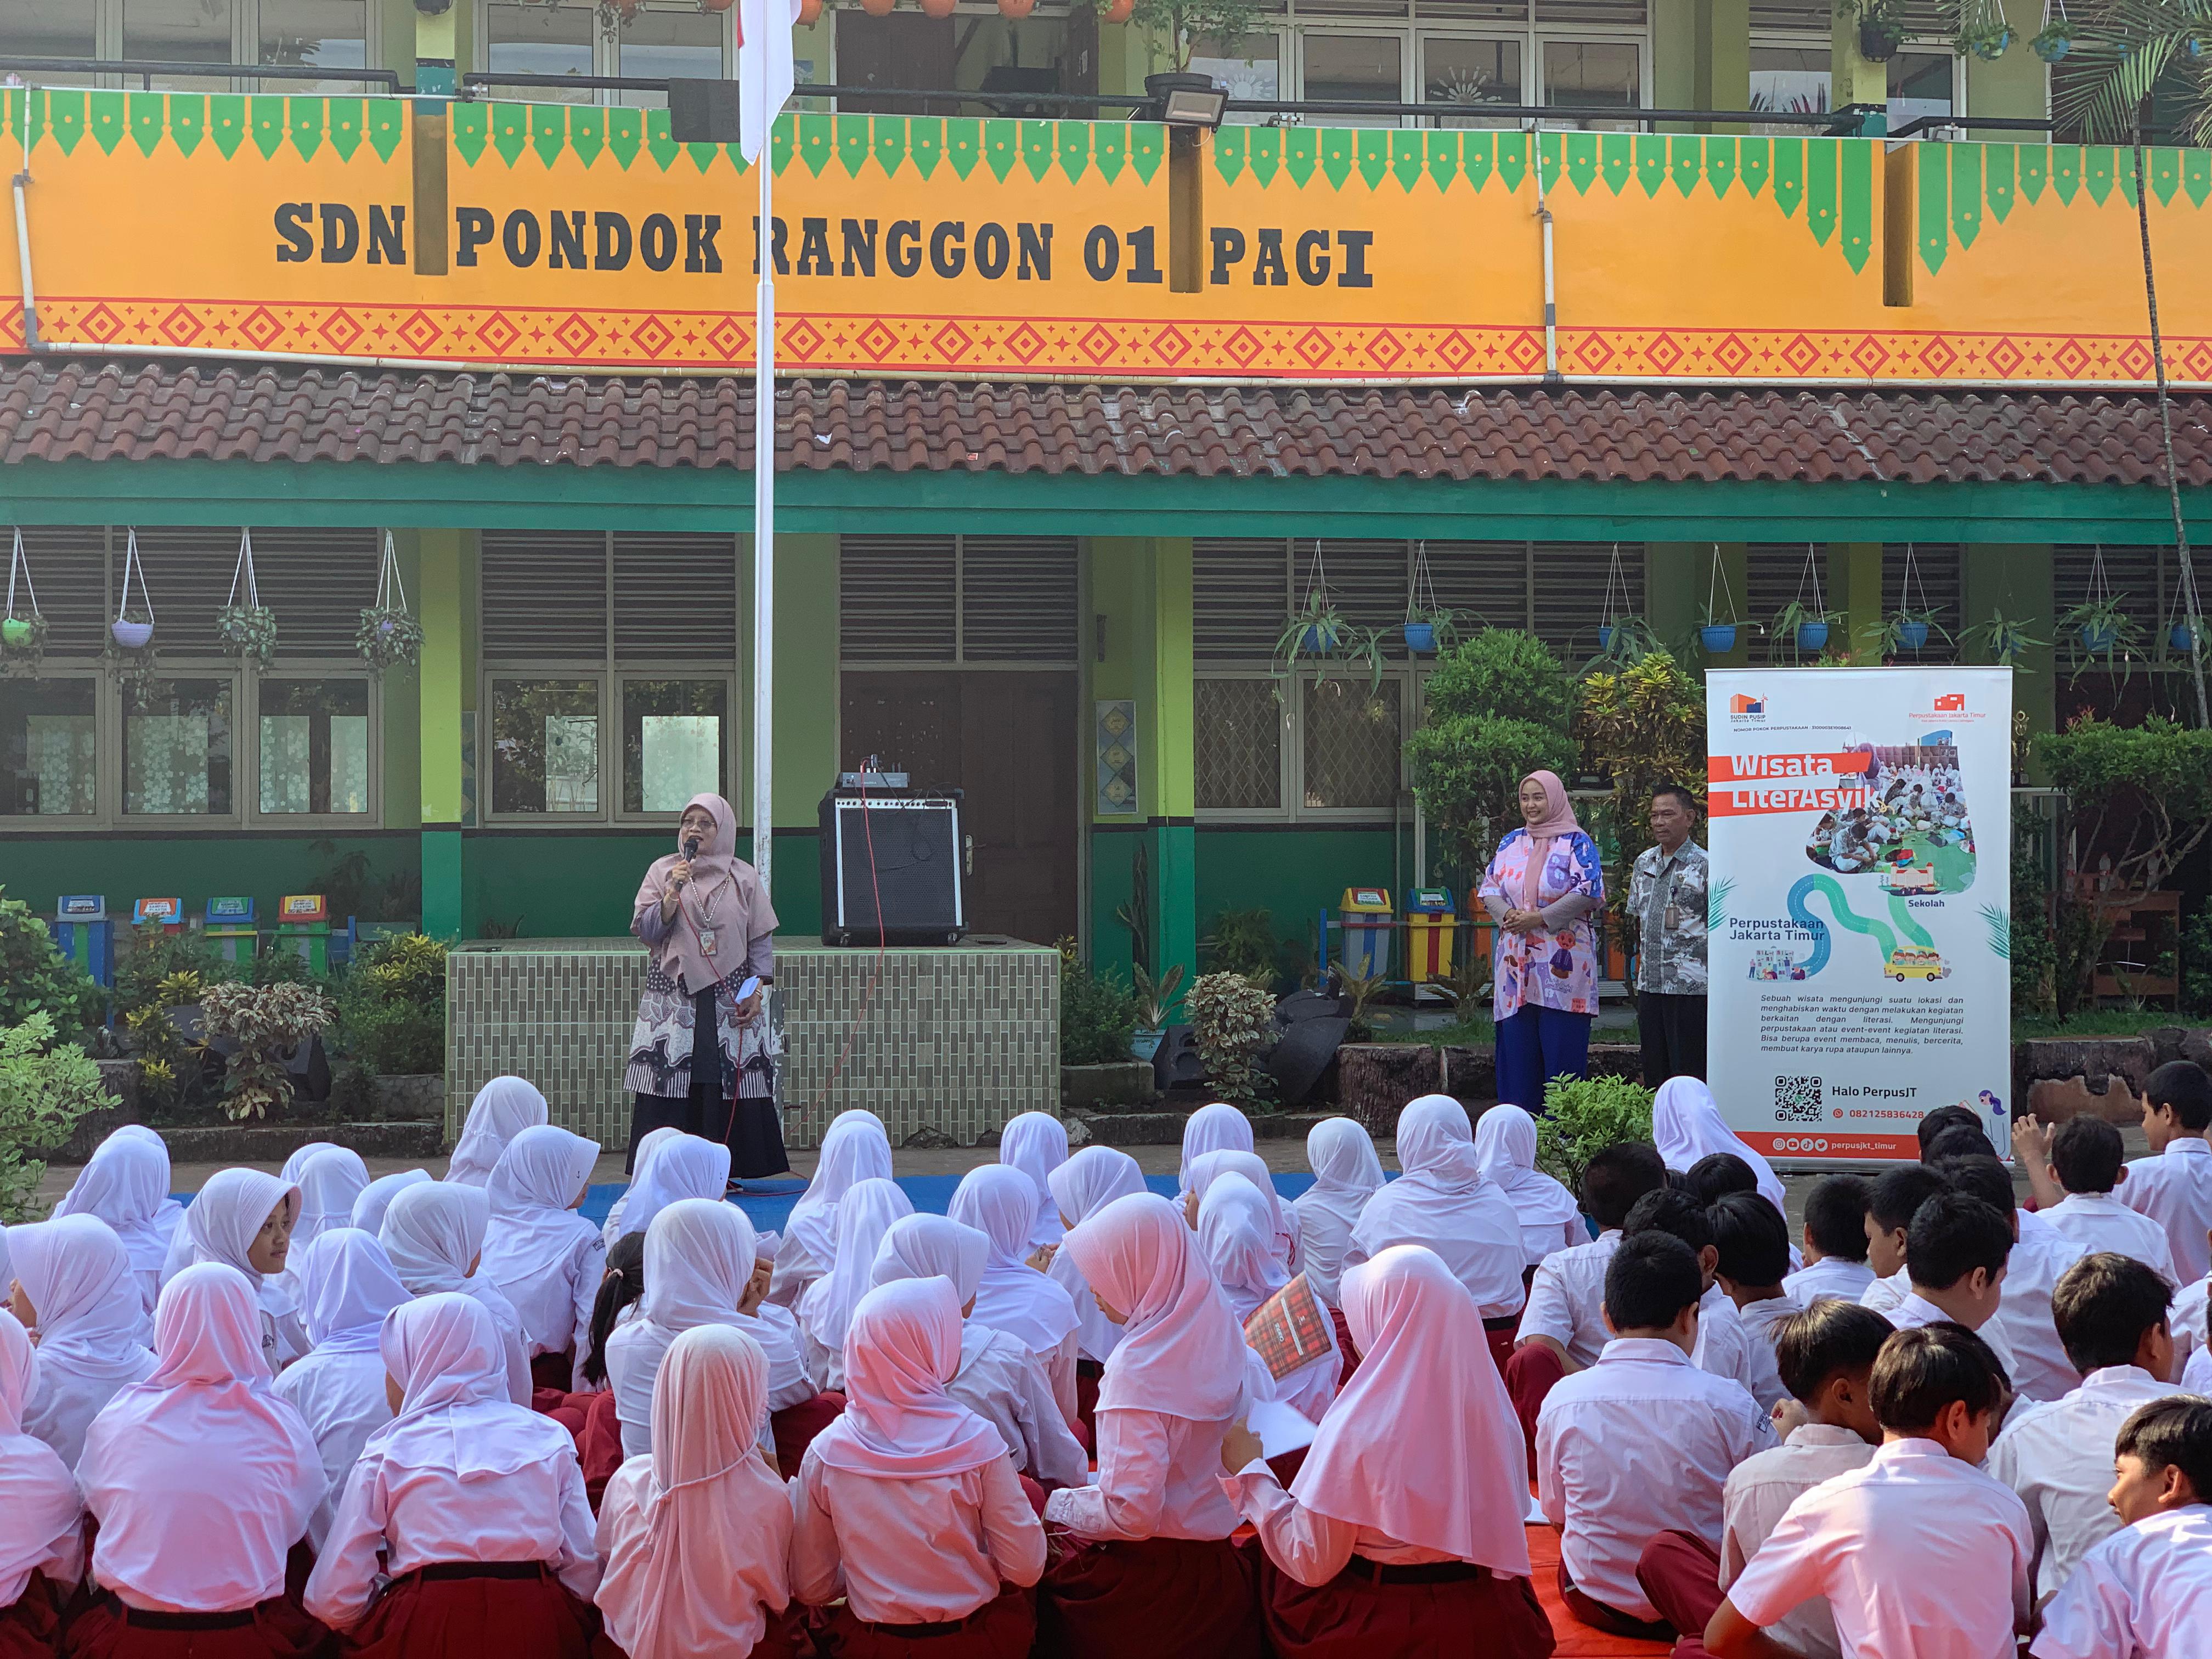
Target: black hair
x: 1718, y: 1174
x: 2087, y: 1153
x: 2103, y: 1305
x: 1897, y: 1194
x: 1670, y: 787
x: 2173, y: 1433
x: 1650, y: 1280
x: 1957, y: 1140
x: 1831, y: 1337
x: 1616, y: 1178
x: 1835, y: 1216
x: 1920, y: 1373
x: 1953, y: 1234
x: 1984, y: 1177
x: 1752, y: 1237
x: 2184, y: 1086
x: 621, y: 1285
x: 1670, y: 1211
x: 1934, y: 1123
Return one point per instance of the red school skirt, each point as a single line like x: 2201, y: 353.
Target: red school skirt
x: 1163, y: 1598
x: 32, y: 1627
x: 1002, y: 1629
x: 795, y: 1426
x: 474, y: 1609
x: 275, y: 1630
x: 599, y: 1448
x: 1369, y: 1611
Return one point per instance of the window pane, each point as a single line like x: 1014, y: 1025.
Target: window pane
x: 47, y: 729
x: 1587, y: 73
x: 1455, y: 71
x: 1351, y: 743
x: 314, y: 745
x: 1355, y: 68
x: 539, y: 40
x: 176, y: 748
x: 1252, y: 68
x: 1238, y: 728
x: 674, y: 742
x: 47, y: 28
x: 1791, y: 78
x: 314, y: 34
x: 1919, y: 86
x: 179, y: 31
x: 658, y: 44
x: 545, y: 746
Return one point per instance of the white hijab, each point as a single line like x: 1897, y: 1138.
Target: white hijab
x: 865, y: 1214
x: 92, y: 1326
x: 533, y: 1232
x: 1282, y: 1221
x: 1686, y: 1125
x: 699, y: 1257
x: 1346, y: 1174
x: 220, y: 1226
x: 297, y: 1162
x: 856, y: 1148
x: 330, y: 1184
x: 455, y: 1417
x: 348, y: 1287
x: 641, y: 1155
x: 1082, y: 1186
x: 1035, y: 1143
x: 502, y: 1110
x: 932, y: 1247
x: 375, y: 1200
x: 1181, y: 1353
x: 36, y: 1492
x: 685, y: 1166
x: 1219, y: 1128
x: 1237, y: 1234
x: 127, y: 1185
x: 1505, y: 1147
x: 1442, y: 1201
x: 1001, y: 1202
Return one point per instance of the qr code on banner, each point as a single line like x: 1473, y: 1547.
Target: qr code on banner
x: 1798, y: 1099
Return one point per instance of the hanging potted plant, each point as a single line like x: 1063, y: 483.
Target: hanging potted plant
x: 389, y: 634
x: 1717, y: 631
x: 1806, y: 626
x: 2099, y: 626
x: 2003, y: 641
x: 1623, y: 637
x: 248, y: 630
x: 2054, y: 39
x: 1983, y: 31
x: 22, y: 638
x: 1881, y: 29
x: 1907, y: 627
x: 132, y: 633
x: 2185, y: 635
x: 1430, y: 628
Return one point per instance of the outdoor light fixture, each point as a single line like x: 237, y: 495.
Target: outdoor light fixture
x: 1187, y: 100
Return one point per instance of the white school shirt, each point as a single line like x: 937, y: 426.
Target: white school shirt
x: 1566, y: 1298
x: 2144, y: 1592
x: 2196, y: 1375
x: 1158, y: 1477
x: 1832, y: 1275
x: 1640, y: 1443
x: 1723, y: 1347
x: 2174, y: 1189
x: 342, y: 1397
x: 1759, y: 1320
x: 24, y: 1462
x: 921, y: 1551
x: 421, y: 1516
x: 1305, y: 1544
x: 1760, y: 1492
x: 65, y: 1401
x: 2185, y: 1320
x: 554, y: 1298
x: 1000, y: 1381
x: 1883, y: 1295
x: 1916, y: 1311
x: 1920, y: 1556
x: 2058, y: 1457
x: 2097, y: 1221
x: 2042, y: 1370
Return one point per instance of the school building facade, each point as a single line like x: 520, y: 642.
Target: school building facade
x: 1076, y: 413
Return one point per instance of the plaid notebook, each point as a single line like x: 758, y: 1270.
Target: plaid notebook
x: 1290, y: 1329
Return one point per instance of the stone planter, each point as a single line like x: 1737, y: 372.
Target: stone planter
x: 264, y: 1142
x: 1117, y: 1085
x: 410, y: 1099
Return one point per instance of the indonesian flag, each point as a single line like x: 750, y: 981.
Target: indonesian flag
x: 763, y: 63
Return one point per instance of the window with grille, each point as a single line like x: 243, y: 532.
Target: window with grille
x: 964, y: 600
x: 1351, y: 742
x: 1237, y: 736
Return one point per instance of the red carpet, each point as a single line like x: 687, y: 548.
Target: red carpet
x: 1576, y: 1640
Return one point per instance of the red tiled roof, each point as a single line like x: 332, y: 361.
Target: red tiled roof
x: 106, y: 411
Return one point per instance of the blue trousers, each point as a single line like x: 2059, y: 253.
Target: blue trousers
x: 1535, y: 1044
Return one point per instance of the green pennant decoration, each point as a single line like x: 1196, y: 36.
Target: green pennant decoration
x: 625, y: 135
x: 264, y: 119
x: 2066, y: 170
x: 2097, y: 172
x: 2123, y: 174
x: 65, y: 118
x: 924, y: 139
x: 2032, y: 163
x: 146, y: 109
x: 1301, y: 152
x: 510, y: 130
x: 1755, y: 163
x: 1650, y: 161
x: 817, y: 141
x: 387, y: 121
x: 1073, y: 140
x: 887, y: 137
x: 702, y: 156
x: 1148, y: 148
x: 661, y: 143
x: 1229, y: 153
x: 1477, y: 154
x: 1821, y: 188
x: 1512, y: 160
x: 1855, y: 192
x: 2164, y: 174
x: 1442, y: 158
x: 1582, y: 153
x: 738, y: 164
x: 1789, y: 175
x: 1998, y: 163
x: 106, y: 118
x: 1685, y: 160
x: 2196, y: 174
x: 303, y: 118
x: 1263, y: 149
x: 1001, y: 147
x: 1037, y: 147
x: 853, y: 138
x: 226, y: 122
x: 964, y: 143
x: 1616, y: 154
x: 1374, y: 151
x: 1407, y: 157
x: 588, y: 132
x: 187, y: 120
x: 782, y: 139
x: 1339, y: 151
x: 1933, y: 179
x: 1548, y: 157
x: 1720, y: 165
x: 549, y: 130
x: 472, y: 128
x: 345, y: 126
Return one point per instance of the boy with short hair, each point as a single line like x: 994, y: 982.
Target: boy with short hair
x: 1956, y: 1251
x: 1722, y: 1348
x: 2022, y: 1328
x: 1935, y: 1121
x: 2073, y: 1172
x: 1751, y: 1244
x: 2173, y: 1187
x: 1918, y: 1553
x: 1835, y: 1241
x: 1641, y: 1442
x: 2110, y: 1312
x: 2147, y: 1588
x: 1892, y: 1202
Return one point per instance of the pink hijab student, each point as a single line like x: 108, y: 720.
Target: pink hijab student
x: 854, y: 1148
x: 472, y: 1507
x: 375, y: 1200
x: 546, y: 1259
x: 1035, y: 1143
x: 1154, y: 1572
x: 202, y: 1480
x: 1219, y: 1128
x: 997, y: 1378
x: 75, y: 1289
x: 908, y: 1505
x: 1402, y: 1532
x: 502, y: 1110
x: 42, y: 1544
x: 330, y: 1183
x: 434, y: 1234
x: 1540, y: 890
x: 825, y: 1312
x: 1347, y: 1173
x: 1082, y: 1186
x: 1000, y: 1202
x: 127, y: 1185
x: 244, y: 1220
x: 1233, y: 1231
x: 347, y: 1287
x: 710, y: 927
x: 681, y: 1166
x: 1282, y: 1219
x: 1505, y: 1147
x: 695, y: 1534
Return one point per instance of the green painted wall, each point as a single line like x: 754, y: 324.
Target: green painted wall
x: 806, y: 682
x: 1294, y: 870
x: 127, y: 865
x: 570, y: 883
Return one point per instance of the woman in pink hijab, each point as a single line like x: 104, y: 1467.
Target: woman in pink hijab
x: 702, y: 912
x: 1402, y: 1532
x: 42, y: 1546
x: 1540, y: 890
x: 908, y: 1505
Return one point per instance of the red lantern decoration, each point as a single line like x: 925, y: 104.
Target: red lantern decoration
x: 937, y: 8
x: 1121, y: 11
x: 714, y: 5
x: 810, y: 12
x: 1016, y: 8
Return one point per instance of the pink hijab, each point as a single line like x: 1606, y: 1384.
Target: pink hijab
x: 1282, y: 1220
x: 36, y: 1493
x: 1558, y: 820
x: 1182, y: 1353
x: 1001, y: 1202
x: 899, y: 1424
x: 723, y: 895
x: 1422, y: 1445
x: 696, y: 1535
x: 864, y: 1216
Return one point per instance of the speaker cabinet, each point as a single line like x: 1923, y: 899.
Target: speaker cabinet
x: 901, y: 852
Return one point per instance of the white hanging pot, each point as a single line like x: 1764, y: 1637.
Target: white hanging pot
x: 129, y: 635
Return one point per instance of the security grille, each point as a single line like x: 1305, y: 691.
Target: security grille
x: 1239, y: 750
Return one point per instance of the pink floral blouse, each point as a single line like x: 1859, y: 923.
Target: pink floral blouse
x: 1546, y: 969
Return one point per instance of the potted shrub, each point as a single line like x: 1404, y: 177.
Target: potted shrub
x: 22, y: 638
x: 1232, y: 1021
x: 1807, y: 628
x: 2053, y: 41
x: 2184, y: 636
x: 1430, y: 627
x: 1717, y: 637
x: 1881, y: 29
x: 1157, y: 1000
x: 268, y: 1023
x: 1908, y: 629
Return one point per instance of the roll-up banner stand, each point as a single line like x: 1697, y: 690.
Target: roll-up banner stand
x: 1860, y: 950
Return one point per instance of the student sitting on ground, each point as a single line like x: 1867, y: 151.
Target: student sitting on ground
x: 2111, y: 1313
x: 1642, y: 1443
x: 1918, y: 1553
x: 1825, y: 1355
x: 1834, y: 1241
x: 42, y: 1548
x: 1751, y: 1244
x: 347, y: 1287
x: 2174, y: 1186
x: 1894, y: 1199
x: 1722, y: 1348
x: 2147, y: 1588
x: 2073, y: 1172
x: 1956, y: 1253
x: 2022, y: 1324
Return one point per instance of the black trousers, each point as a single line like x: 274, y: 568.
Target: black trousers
x: 1673, y: 1029
x: 749, y: 1123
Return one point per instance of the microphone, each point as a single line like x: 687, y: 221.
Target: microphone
x: 690, y: 847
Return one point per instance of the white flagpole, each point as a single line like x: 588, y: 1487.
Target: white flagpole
x: 764, y: 496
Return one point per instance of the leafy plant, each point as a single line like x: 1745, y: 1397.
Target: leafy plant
x: 392, y: 1012
x: 2197, y: 962
x: 1098, y: 1014
x: 2003, y: 641
x: 1157, y: 999
x: 1363, y: 991
x: 353, y: 1093
x: 1908, y: 628
x: 46, y: 1086
x: 156, y: 955
x: 2053, y: 40
x: 2100, y: 630
x: 1498, y: 709
x: 2143, y: 794
x: 2034, y: 950
x: 35, y: 978
x: 249, y: 631
x: 267, y: 1022
x: 1243, y: 942
x: 1232, y: 1020
x: 1623, y: 641
x: 23, y: 645
x: 134, y: 668
x: 1581, y: 1117
x: 1135, y: 913
x: 1882, y: 27
x: 388, y: 637
x: 1179, y: 25
x: 1795, y: 615
x: 1644, y: 724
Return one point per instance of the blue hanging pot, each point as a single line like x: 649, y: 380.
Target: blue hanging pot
x: 1812, y: 636
x: 1605, y: 637
x: 1912, y: 635
x: 1421, y: 638
x: 1318, y: 640
x: 2182, y: 636
x: 1717, y: 637
x: 2098, y: 638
